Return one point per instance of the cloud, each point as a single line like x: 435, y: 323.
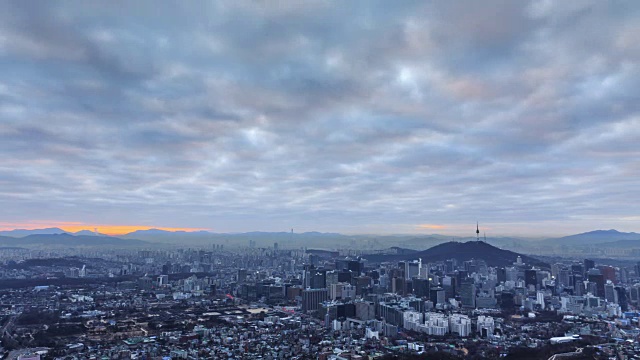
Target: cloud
x: 319, y: 115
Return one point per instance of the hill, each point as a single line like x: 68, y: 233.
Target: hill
x: 68, y: 240
x: 462, y: 251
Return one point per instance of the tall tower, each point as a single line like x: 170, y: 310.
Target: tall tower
x: 477, y: 231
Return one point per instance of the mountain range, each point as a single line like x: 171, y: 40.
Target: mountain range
x: 67, y: 240
x: 46, y: 231
x: 335, y: 240
x: 594, y: 237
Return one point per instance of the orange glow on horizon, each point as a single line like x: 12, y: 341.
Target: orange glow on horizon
x: 431, y: 227
x: 111, y: 230
x: 124, y: 229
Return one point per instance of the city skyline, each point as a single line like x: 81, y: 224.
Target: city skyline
x: 321, y: 116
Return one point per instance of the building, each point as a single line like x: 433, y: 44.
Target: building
x: 412, y: 320
x: 468, y: 294
x: 598, y: 280
x: 530, y: 278
x: 588, y: 265
x: 421, y: 287
x: 242, y: 275
x: 609, y: 273
x: 634, y: 294
x: 412, y: 269
x: 436, y: 324
x: 335, y: 291
x: 460, y: 324
x: 485, y: 326
x: 610, y: 293
x: 437, y: 295
x: 163, y: 280
x: 312, y: 298
x: 540, y: 299
x: 365, y: 310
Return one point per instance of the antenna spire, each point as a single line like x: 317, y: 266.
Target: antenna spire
x: 477, y: 231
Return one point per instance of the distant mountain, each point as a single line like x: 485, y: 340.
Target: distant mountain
x: 260, y: 238
x: 25, y: 232
x: 593, y: 237
x: 152, y: 232
x: 316, y: 233
x: 462, y: 251
x: 621, y: 244
x: 88, y: 233
x: 68, y: 240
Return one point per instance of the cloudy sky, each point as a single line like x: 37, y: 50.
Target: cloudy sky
x: 353, y: 117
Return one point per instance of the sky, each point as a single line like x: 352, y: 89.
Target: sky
x: 353, y: 117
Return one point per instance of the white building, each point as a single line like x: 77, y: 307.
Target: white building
x: 412, y: 320
x: 370, y: 334
x: 540, y: 298
x: 348, y: 291
x: 460, y: 324
x: 436, y: 324
x: 486, y: 325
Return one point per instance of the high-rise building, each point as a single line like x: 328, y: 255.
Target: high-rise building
x: 460, y: 324
x: 610, y: 293
x: 511, y: 273
x: 163, y: 280
x: 437, y: 295
x: 588, y: 265
x: 598, y: 279
x: 563, y: 278
x: 335, y: 291
x: 486, y: 325
x: 609, y: 273
x: 348, y: 292
x: 578, y: 269
x: 461, y: 276
x: 501, y: 274
x: 450, y: 265
x: 634, y: 294
x: 578, y: 284
x: 624, y: 275
x: 312, y: 298
x: 449, y: 285
x: 540, y: 299
x: 468, y: 294
x: 398, y: 286
x: 242, y: 275
x: 530, y: 278
x: 622, y: 298
x: 506, y: 301
x: 318, y: 279
x: 354, y: 266
x: 421, y: 287
x: 412, y: 269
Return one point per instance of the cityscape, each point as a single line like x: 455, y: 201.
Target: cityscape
x: 319, y: 179
x: 257, y: 299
